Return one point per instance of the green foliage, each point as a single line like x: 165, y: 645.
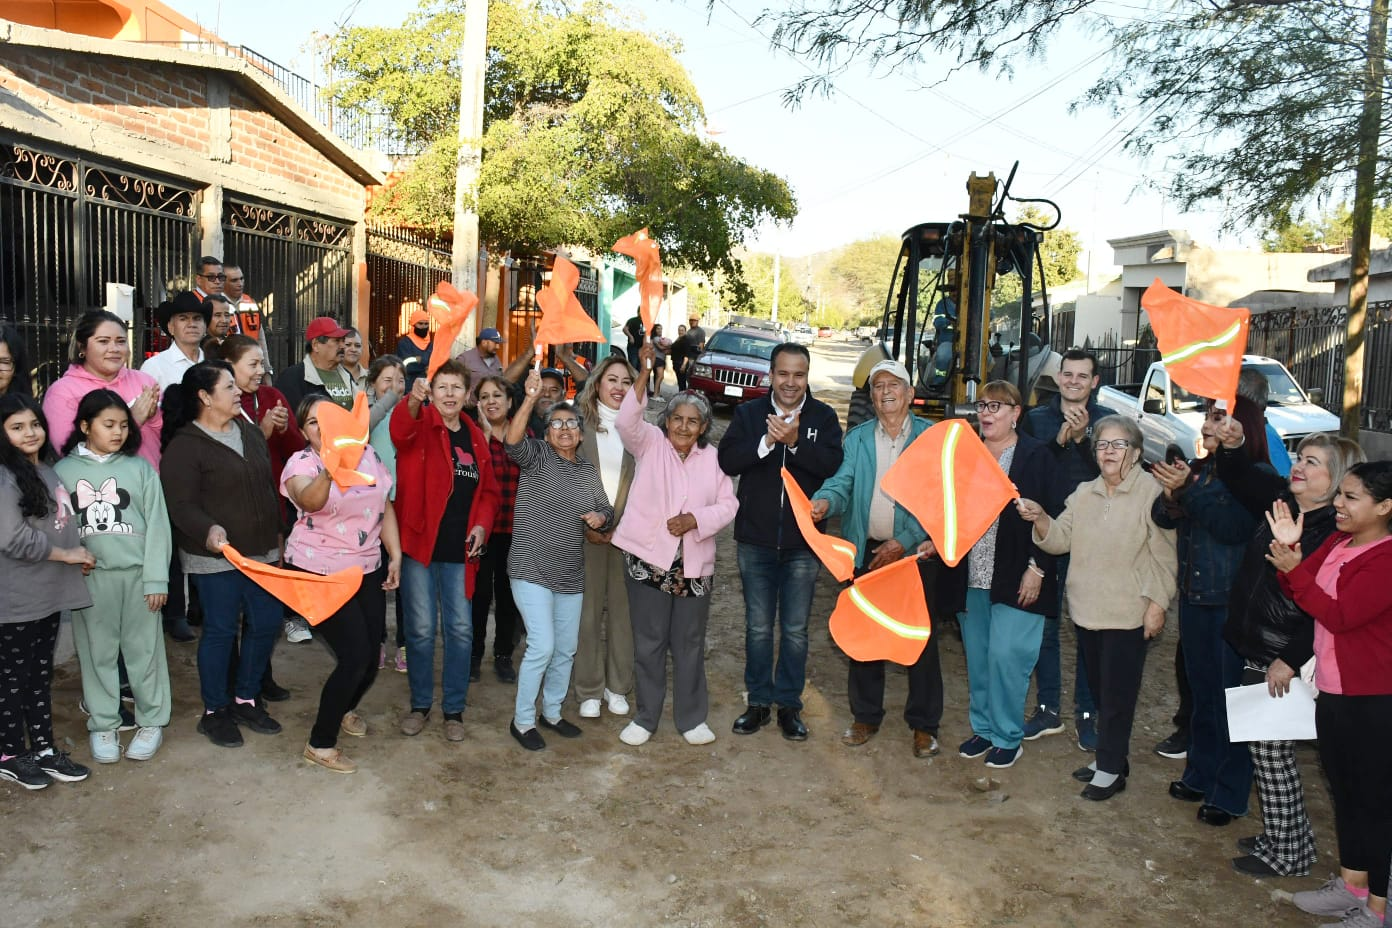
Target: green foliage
x: 591, y: 130
x: 1060, y: 250
x: 1330, y: 229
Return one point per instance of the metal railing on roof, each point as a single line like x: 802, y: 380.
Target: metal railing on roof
x: 362, y: 129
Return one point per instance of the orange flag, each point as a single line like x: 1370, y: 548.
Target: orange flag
x: 450, y: 309
x: 563, y: 319
x: 644, y: 250
x: 952, y: 485
x: 883, y: 615
x: 342, y: 438
x: 839, y: 556
x: 313, y: 596
x: 1201, y: 345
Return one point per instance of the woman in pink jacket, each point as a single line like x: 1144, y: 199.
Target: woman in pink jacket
x: 100, y: 356
x: 679, y: 500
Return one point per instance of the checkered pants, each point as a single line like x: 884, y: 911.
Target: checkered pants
x: 1287, y: 842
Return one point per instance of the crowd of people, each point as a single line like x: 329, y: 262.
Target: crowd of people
x: 591, y: 531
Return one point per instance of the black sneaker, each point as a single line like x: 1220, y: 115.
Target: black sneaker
x: 220, y: 728
x: 502, y: 666
x: 1175, y: 747
x: 272, y: 691
x: 24, y: 770
x: 253, y: 716
x: 60, y: 766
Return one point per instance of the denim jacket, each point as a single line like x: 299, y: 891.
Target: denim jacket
x: 1214, y: 530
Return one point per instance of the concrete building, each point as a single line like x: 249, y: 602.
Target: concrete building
x: 1337, y: 273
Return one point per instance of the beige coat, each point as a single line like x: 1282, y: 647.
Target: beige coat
x: 1120, y: 557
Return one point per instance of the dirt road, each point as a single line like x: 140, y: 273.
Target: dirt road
x: 749, y: 831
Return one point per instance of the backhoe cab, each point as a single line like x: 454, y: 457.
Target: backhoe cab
x: 938, y: 319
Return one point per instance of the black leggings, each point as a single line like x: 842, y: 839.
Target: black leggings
x: 26, y: 685
x: 1114, y: 660
x: 1355, y: 746
x: 493, y: 588
x: 353, y: 634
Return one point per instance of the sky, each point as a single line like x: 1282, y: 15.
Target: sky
x: 884, y: 151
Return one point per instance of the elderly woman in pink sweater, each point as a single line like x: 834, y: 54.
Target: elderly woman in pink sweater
x: 679, y: 500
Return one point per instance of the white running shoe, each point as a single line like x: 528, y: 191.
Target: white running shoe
x: 589, y: 708
x: 297, y: 630
x: 616, y: 703
x: 145, y: 743
x: 635, y: 734
x: 701, y: 734
x: 106, y: 746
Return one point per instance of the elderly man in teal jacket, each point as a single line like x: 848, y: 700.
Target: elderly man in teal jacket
x: 883, y: 531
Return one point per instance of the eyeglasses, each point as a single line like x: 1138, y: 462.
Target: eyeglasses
x: 213, y: 276
x: 1120, y: 444
x: 992, y: 406
x: 563, y: 425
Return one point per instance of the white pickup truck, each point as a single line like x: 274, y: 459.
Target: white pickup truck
x: 1169, y: 414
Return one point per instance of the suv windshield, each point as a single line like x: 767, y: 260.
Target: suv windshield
x: 1282, y: 390
x: 729, y: 342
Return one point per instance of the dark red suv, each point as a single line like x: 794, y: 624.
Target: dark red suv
x: 735, y: 365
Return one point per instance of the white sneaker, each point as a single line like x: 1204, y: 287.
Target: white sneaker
x: 589, y: 708
x: 617, y: 703
x: 701, y: 734
x: 296, y: 631
x: 106, y: 746
x: 635, y: 734
x: 145, y: 743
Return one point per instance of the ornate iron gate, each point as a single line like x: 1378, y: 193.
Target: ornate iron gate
x: 297, y: 267
x: 69, y: 226
x: 402, y: 267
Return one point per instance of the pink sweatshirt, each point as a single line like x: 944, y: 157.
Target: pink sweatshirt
x: 664, y: 486
x: 60, y: 405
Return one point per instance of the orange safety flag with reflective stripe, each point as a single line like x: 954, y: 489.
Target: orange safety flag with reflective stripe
x: 883, y: 615
x: 342, y: 437
x: 563, y: 319
x: 1201, y: 345
x: 450, y: 309
x: 952, y: 485
x: 644, y: 250
x: 838, y: 555
x: 313, y: 596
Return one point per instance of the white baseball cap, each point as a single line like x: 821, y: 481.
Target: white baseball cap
x: 894, y: 367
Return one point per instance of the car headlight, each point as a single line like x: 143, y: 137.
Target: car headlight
x: 765, y: 381
x: 701, y: 370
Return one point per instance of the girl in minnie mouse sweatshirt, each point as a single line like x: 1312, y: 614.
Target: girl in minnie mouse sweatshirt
x: 121, y: 513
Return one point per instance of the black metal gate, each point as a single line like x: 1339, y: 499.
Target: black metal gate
x: 402, y: 267
x: 68, y: 227
x: 297, y: 267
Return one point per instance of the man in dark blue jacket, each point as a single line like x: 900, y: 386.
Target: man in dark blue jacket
x: 1065, y: 423
x: 788, y: 428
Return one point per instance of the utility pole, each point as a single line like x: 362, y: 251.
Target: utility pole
x: 473, y: 57
x: 1365, y: 181
x: 777, y: 260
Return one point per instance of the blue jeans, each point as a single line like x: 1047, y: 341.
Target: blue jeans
x: 426, y: 590
x: 1002, y: 644
x: 225, y: 596
x: 1048, y: 672
x: 1221, y: 769
x: 776, y: 583
x: 553, y: 628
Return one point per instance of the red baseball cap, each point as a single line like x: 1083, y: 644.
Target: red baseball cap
x: 324, y: 327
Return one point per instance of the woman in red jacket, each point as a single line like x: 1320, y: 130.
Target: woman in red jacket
x: 446, y: 501
x: 1343, y: 585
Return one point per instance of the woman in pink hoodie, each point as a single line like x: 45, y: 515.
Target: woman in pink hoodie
x: 99, y: 356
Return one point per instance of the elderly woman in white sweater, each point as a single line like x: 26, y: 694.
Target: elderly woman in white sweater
x: 1120, y: 584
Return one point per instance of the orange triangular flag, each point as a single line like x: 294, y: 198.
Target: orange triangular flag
x: 883, y: 615
x: 952, y: 485
x: 1200, y: 344
x: 313, y: 596
x: 563, y: 319
x: 647, y: 256
x: 342, y: 437
x: 450, y: 309
x: 838, y: 555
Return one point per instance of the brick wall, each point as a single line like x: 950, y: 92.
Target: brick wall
x: 167, y: 104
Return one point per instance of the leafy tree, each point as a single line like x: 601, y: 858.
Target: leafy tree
x: 793, y: 305
x: 1271, y: 106
x: 1331, y: 229
x: 591, y: 130
x: 854, y: 279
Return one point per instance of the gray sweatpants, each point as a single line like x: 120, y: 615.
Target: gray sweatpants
x: 662, y: 624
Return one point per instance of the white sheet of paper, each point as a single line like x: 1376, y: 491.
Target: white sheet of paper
x: 1253, y: 715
